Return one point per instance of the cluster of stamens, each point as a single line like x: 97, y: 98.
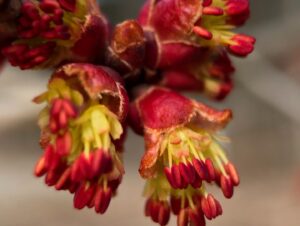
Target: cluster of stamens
x: 218, y: 18
x: 189, y: 157
x: 79, y: 155
x: 43, y: 25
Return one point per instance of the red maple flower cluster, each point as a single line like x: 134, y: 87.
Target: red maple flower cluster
x: 108, y: 78
x: 79, y: 127
x: 182, y: 154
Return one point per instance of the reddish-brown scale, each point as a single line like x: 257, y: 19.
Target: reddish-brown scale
x: 179, y: 13
x: 127, y: 48
x: 93, y: 41
x: 97, y: 80
x: 163, y: 109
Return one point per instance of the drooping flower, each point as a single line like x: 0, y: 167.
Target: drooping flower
x: 81, y: 126
x: 52, y: 32
x: 182, y: 155
x: 177, y: 29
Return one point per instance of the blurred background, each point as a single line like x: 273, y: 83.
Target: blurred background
x: 265, y: 136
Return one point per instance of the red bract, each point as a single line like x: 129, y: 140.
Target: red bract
x: 52, y: 32
x: 86, y: 105
x: 127, y: 49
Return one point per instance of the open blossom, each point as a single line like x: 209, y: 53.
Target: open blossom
x: 81, y: 125
x: 52, y: 32
x: 177, y: 29
x: 182, y: 155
